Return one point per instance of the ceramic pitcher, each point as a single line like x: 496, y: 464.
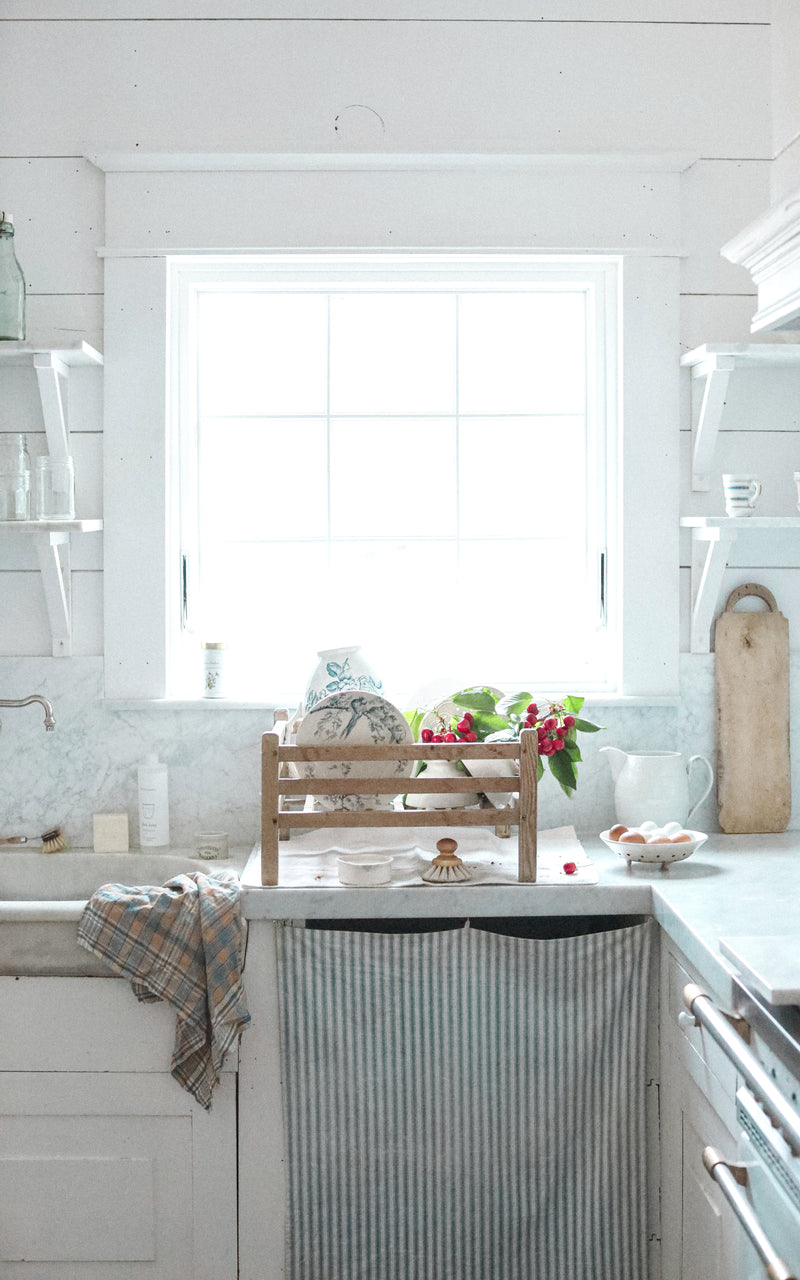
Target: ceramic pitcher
x: 654, y: 786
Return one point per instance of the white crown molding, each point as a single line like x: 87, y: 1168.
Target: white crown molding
x: 225, y: 162
x: 769, y: 249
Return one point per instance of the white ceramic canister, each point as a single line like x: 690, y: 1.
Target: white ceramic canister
x: 214, y: 668
x: 339, y: 669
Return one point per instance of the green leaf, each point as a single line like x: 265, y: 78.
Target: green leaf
x: 563, y: 770
x: 572, y: 750
x: 586, y: 726
x: 415, y: 718
x: 484, y: 725
x: 539, y: 768
x: 572, y: 705
x: 477, y: 698
x: 514, y: 704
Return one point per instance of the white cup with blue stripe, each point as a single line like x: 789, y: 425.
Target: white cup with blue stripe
x: 741, y: 494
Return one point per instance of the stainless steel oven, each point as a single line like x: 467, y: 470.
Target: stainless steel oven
x: 761, y: 1180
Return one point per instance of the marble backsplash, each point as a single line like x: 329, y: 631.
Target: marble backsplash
x: 88, y: 763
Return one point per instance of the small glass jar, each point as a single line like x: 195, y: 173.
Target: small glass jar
x: 54, y: 489
x: 214, y: 668
x: 212, y: 845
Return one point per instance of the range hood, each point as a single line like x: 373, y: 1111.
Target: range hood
x: 770, y: 250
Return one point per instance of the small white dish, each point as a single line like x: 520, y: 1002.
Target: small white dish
x: 663, y: 853
x: 364, y: 868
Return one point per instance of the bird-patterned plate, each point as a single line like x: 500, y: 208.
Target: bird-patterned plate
x: 358, y: 719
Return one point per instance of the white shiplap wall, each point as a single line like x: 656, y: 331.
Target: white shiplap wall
x: 582, y: 77
x: 613, y: 76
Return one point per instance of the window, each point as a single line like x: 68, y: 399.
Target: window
x: 414, y: 452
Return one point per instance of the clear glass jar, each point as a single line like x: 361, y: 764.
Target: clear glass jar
x: 12, y: 285
x: 54, y: 488
x: 15, y: 477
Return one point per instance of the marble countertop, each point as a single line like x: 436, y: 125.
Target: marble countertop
x: 734, y: 906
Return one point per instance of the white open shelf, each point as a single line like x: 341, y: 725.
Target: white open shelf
x: 712, y: 366
x: 52, y: 526
x: 52, y: 364
x: 745, y: 541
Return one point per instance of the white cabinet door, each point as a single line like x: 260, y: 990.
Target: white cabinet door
x: 115, y: 1175
x: 711, y: 1241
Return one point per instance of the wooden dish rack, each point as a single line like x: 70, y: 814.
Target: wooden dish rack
x: 279, y: 791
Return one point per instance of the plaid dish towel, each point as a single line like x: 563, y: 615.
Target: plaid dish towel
x: 183, y: 943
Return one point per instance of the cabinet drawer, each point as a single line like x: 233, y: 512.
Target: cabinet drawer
x: 701, y: 1056
x: 83, y: 1024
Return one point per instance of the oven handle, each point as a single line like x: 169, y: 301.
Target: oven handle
x: 705, y: 1013
x: 729, y: 1179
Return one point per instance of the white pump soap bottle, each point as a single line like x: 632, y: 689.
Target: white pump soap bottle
x: 153, y: 803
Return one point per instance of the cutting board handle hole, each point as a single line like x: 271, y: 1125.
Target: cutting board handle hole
x: 752, y: 589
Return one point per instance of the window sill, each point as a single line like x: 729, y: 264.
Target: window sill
x: 235, y: 704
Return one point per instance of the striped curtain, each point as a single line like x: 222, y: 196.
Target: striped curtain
x: 464, y: 1105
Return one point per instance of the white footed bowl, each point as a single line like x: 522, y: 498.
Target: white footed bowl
x: 658, y: 853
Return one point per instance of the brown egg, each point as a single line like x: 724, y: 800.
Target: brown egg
x: 617, y: 831
x: 681, y: 838
x: 631, y: 837
x: 661, y: 839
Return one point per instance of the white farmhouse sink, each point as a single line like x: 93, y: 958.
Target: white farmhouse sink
x: 33, y: 876
x: 43, y: 895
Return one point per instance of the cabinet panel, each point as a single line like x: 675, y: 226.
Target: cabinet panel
x: 692, y: 1045
x: 710, y: 1231
x: 115, y: 1174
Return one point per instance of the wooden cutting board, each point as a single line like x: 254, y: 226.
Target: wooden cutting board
x: 752, y: 685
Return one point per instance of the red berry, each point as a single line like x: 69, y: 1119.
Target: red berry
x: 558, y: 744
x: 570, y: 868
x: 427, y: 735
x: 450, y: 737
x: 471, y: 736
x: 569, y: 721
x: 546, y: 747
x: 562, y: 731
x: 463, y: 726
x: 550, y: 722
x: 532, y: 709
x: 530, y: 722
x: 469, y: 716
x: 437, y: 737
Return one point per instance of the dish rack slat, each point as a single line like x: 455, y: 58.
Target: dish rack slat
x: 277, y: 783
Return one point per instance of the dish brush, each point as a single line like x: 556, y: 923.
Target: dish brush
x: 446, y: 867
x: 53, y: 841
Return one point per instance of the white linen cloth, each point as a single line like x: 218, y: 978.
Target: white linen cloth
x: 308, y: 858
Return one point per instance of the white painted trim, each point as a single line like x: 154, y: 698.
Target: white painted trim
x: 136, y: 399
x: 348, y: 162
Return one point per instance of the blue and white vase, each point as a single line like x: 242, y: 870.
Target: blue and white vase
x: 339, y: 669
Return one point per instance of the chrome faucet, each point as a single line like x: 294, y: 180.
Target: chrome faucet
x: 49, y: 718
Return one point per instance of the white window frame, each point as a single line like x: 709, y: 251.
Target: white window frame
x: 191, y: 275
x: 140, y: 581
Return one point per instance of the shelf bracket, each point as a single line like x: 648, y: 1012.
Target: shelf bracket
x: 709, y: 390
x: 53, y: 550
x: 710, y: 553
x: 50, y: 370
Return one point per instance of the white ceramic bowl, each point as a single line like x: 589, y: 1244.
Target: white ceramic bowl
x: 364, y: 868
x: 663, y: 853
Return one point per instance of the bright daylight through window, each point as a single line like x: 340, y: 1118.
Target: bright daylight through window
x: 406, y: 452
